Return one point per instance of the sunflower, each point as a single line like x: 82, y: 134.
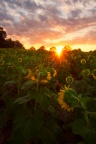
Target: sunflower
x: 69, y: 80
x: 29, y: 74
x: 86, y: 72
x: 33, y: 78
x: 61, y: 100
x: 83, y: 61
x: 48, y: 76
x: 55, y: 73
x: 44, y: 81
x: 20, y: 59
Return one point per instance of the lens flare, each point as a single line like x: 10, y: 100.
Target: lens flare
x: 59, y: 50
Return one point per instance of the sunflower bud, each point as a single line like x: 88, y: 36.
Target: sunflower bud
x: 83, y: 61
x: 69, y: 80
x: 86, y: 72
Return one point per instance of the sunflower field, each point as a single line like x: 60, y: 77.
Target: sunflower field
x: 46, y: 98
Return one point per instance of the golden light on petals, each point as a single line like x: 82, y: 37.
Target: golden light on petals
x: 33, y: 78
x: 48, y: 76
x: 44, y: 81
x: 55, y: 73
x: 62, y: 102
x: 29, y: 74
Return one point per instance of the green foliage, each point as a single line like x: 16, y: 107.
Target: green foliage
x: 2, y: 38
x: 9, y: 43
x: 70, y: 96
x: 79, y: 127
x: 29, y: 93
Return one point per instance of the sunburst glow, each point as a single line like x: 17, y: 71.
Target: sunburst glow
x: 59, y: 50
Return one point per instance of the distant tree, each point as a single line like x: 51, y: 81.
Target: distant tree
x: 32, y: 48
x: 77, y: 50
x: 18, y: 45
x: 67, y: 48
x: 53, y: 49
x: 14, y: 44
x: 2, y: 38
x: 9, y: 43
x: 42, y: 48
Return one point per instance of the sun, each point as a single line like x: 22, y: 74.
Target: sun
x: 59, y: 50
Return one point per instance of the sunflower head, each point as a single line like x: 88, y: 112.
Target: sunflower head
x: 33, y: 78
x: 86, y: 72
x: 83, y: 61
x: 20, y: 59
x: 61, y: 99
x: 29, y: 73
x: 69, y: 80
x: 48, y: 76
x: 55, y: 73
x: 67, y: 98
x: 43, y: 81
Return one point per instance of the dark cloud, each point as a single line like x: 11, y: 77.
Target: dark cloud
x: 5, y: 16
x: 12, y: 3
x: 72, y: 24
x: 93, y: 11
x: 52, y: 9
x: 43, y: 20
x: 76, y: 13
x: 83, y: 2
x: 29, y: 5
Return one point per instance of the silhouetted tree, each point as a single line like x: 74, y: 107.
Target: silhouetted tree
x: 32, y: 48
x: 67, y: 48
x: 2, y: 38
x: 53, y: 49
x: 18, y: 45
x: 42, y: 48
x: 8, y: 43
x: 14, y: 44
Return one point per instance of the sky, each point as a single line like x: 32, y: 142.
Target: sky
x: 50, y: 22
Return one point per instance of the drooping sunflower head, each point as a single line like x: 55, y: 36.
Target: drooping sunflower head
x: 86, y: 72
x: 67, y: 98
x: 70, y: 97
x: 61, y: 99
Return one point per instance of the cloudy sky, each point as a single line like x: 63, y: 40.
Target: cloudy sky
x: 50, y: 22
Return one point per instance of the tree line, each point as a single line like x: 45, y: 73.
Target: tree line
x: 9, y: 43
x: 65, y: 48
